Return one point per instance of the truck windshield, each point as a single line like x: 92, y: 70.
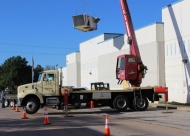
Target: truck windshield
x: 40, y: 76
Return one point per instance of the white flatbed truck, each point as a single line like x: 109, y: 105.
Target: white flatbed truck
x: 48, y: 92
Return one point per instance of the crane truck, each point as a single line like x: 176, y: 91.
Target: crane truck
x: 49, y: 91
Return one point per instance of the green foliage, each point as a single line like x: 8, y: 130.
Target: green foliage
x: 49, y: 67
x: 15, y: 71
x: 38, y: 69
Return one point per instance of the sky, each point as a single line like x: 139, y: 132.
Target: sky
x: 43, y: 29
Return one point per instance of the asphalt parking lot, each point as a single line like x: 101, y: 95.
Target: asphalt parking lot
x: 91, y: 122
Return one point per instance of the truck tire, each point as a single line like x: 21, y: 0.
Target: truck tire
x: 120, y: 103
x: 32, y: 105
x: 7, y: 103
x: 140, y: 103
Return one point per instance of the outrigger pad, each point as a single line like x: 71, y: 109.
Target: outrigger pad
x: 85, y: 22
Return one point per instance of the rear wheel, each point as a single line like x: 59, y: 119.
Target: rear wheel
x: 140, y: 103
x: 120, y: 103
x: 32, y: 105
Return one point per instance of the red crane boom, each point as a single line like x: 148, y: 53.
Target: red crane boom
x: 129, y: 66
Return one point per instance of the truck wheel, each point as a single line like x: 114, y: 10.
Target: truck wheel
x: 120, y: 103
x: 7, y: 103
x: 32, y: 106
x: 140, y: 103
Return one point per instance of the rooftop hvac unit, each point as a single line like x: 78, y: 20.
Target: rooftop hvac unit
x: 85, y: 22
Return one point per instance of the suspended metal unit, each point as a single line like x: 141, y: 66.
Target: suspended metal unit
x: 85, y: 23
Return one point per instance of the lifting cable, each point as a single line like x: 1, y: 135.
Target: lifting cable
x: 85, y: 7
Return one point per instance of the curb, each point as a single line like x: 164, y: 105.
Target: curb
x: 169, y: 107
x: 174, y: 107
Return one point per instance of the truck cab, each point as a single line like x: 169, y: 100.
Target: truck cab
x: 46, y: 91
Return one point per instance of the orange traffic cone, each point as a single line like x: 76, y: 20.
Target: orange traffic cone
x: 91, y: 104
x: 17, y: 109
x: 24, y: 113
x: 46, y: 120
x: 107, y: 127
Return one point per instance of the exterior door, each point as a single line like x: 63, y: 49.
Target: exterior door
x: 49, y: 84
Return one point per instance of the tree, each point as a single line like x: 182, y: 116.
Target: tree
x: 14, y: 72
x: 1, y: 87
x: 38, y: 69
x: 48, y: 67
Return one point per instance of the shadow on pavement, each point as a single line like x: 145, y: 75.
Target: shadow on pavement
x: 58, y: 127
x: 101, y: 111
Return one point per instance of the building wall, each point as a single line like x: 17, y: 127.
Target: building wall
x: 73, y: 69
x: 177, y: 48
x: 107, y: 68
x: 151, y: 46
x: 92, y: 49
x: 64, y: 76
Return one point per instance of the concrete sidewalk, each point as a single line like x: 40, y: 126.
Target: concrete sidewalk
x: 175, y: 106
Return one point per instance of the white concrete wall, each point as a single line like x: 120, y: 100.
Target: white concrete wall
x: 92, y: 49
x: 107, y: 68
x: 73, y: 69
x: 177, y: 47
x: 151, y: 46
x: 64, y: 76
